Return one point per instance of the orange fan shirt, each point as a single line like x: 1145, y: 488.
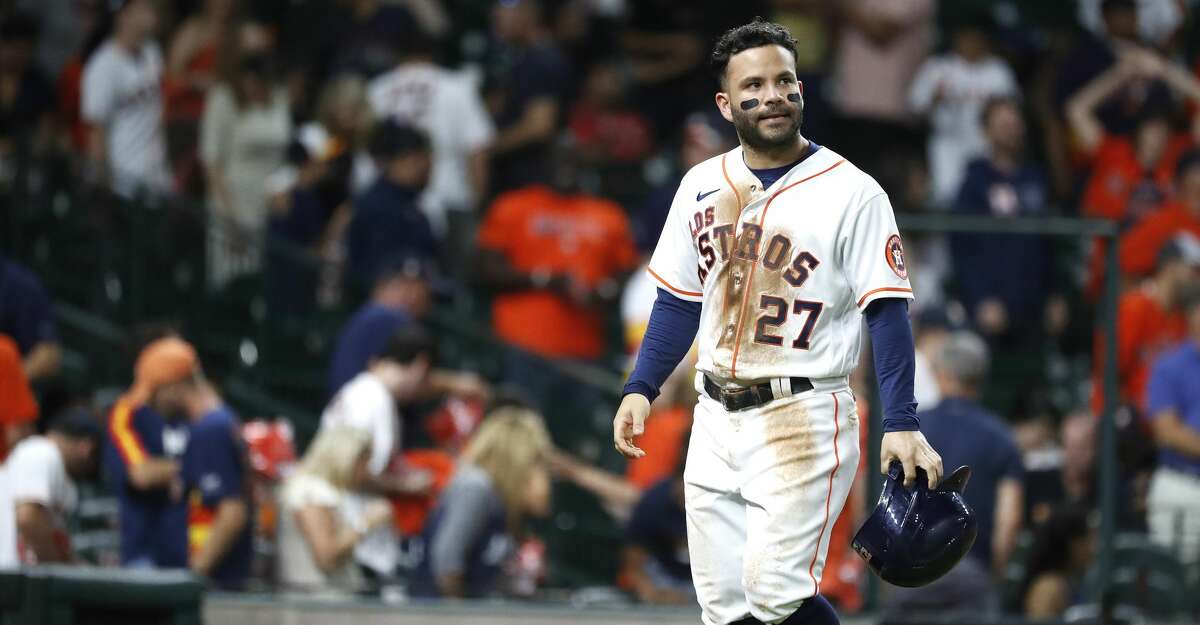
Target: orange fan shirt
x: 536, y: 228
x: 18, y: 407
x: 1144, y: 330
x: 663, y: 441
x: 1117, y: 175
x: 1142, y: 243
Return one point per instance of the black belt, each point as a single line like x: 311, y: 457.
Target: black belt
x: 750, y: 396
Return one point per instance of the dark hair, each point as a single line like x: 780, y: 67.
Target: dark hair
x: 1190, y: 159
x: 391, y: 139
x: 19, y: 26
x: 257, y: 64
x: 1117, y: 5
x: 1189, y: 298
x: 416, y: 44
x: 1171, y: 251
x: 102, y: 28
x: 77, y: 424
x: 978, y: 20
x: 1154, y: 112
x: 407, y: 344
x: 756, y: 34
x: 510, y: 396
x: 541, y: 11
x: 1051, y: 549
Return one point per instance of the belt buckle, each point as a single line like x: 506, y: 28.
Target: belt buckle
x: 727, y: 399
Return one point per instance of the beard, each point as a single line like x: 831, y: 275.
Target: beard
x: 746, y: 123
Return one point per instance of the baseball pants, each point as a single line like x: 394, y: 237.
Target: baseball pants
x: 1173, y: 512
x: 763, y: 487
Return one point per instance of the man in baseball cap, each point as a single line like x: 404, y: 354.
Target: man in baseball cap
x: 144, y: 444
x: 38, y: 493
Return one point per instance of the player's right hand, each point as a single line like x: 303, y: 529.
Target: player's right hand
x: 629, y: 423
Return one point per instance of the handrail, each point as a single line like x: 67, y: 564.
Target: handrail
x: 93, y: 326
x: 987, y: 224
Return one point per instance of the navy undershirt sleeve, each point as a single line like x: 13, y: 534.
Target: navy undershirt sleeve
x: 669, y: 335
x: 895, y: 362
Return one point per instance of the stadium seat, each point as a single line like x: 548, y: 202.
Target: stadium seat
x: 1145, y: 575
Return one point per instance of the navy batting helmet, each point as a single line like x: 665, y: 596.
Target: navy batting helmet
x: 917, y: 535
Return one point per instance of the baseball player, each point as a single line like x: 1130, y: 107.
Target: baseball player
x: 772, y: 251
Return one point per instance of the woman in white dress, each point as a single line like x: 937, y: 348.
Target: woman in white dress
x: 243, y: 138
x: 318, y: 526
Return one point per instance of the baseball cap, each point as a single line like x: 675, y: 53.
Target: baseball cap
x: 17, y: 404
x: 414, y: 266
x: 405, y: 264
x: 165, y: 361
x: 391, y: 139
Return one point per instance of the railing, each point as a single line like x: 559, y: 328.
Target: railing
x: 115, y: 267
x: 1106, y: 457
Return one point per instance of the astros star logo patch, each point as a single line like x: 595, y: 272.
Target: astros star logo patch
x: 894, y: 253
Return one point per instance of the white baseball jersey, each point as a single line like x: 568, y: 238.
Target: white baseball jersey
x: 364, y: 403
x: 448, y: 107
x: 33, y: 473
x: 782, y: 272
x: 122, y: 93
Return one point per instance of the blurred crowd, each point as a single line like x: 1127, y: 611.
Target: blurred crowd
x: 527, y: 152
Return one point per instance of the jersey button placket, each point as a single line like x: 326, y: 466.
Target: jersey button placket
x: 736, y: 291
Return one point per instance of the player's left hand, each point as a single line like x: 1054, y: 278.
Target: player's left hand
x: 913, y: 451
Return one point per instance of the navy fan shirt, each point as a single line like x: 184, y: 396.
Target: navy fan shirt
x: 387, y: 221
x: 215, y: 468
x: 364, y: 336
x: 25, y: 313
x: 153, y: 524
x: 964, y: 433
x: 659, y: 525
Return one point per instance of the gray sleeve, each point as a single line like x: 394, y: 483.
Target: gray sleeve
x: 466, y: 503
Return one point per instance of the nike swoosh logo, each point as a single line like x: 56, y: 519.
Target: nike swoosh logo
x: 701, y: 196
